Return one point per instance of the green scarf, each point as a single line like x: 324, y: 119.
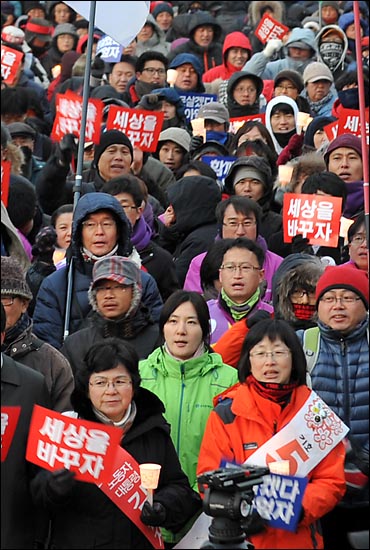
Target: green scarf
x: 238, y: 311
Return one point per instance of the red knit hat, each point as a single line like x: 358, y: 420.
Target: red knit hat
x: 344, y: 276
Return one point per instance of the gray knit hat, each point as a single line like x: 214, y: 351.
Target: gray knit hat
x: 178, y: 135
x: 13, y: 281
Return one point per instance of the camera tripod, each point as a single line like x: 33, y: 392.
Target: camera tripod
x: 226, y: 533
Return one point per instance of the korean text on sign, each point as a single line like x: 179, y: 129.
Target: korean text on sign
x: 57, y: 441
x: 140, y: 126
x: 313, y: 217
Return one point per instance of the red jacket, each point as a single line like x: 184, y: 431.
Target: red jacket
x: 233, y: 40
x: 256, y: 420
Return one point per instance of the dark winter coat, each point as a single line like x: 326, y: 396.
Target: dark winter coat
x: 49, y: 313
x: 140, y: 331
x: 212, y: 55
x: 194, y: 200
x: 44, y: 358
x: 21, y: 522
x: 87, y: 518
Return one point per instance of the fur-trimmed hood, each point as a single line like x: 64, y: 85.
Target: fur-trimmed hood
x: 256, y: 8
x: 296, y: 270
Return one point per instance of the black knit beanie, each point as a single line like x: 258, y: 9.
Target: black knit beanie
x: 111, y: 137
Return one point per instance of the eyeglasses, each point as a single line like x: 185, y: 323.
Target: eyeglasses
x: 104, y: 383
x: 241, y: 90
x: 302, y: 293
x: 151, y: 70
x: 234, y: 224
x: 244, y: 268
x: 106, y: 225
x: 346, y: 300
x: 359, y: 239
x: 7, y: 300
x: 117, y: 289
x: 129, y: 207
x: 280, y: 87
x: 277, y: 354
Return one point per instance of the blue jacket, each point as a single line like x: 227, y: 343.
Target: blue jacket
x: 49, y: 313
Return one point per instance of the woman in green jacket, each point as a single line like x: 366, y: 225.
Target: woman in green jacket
x: 186, y: 374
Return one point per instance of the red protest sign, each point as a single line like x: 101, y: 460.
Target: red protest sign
x: 270, y: 28
x: 5, y: 180
x: 313, y: 216
x: 331, y: 130
x: 237, y: 122
x: 58, y: 441
x: 68, y: 117
x: 9, y: 420
x: 10, y: 62
x: 124, y: 489
x: 349, y: 123
x: 141, y: 127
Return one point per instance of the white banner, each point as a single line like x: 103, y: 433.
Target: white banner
x: 119, y: 20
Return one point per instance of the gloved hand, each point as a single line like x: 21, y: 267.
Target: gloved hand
x: 292, y: 150
x: 195, y: 142
x: 66, y: 149
x: 300, y: 244
x: 254, y: 524
x: 60, y: 483
x: 273, y: 46
x: 260, y: 315
x: 44, y: 246
x: 153, y: 515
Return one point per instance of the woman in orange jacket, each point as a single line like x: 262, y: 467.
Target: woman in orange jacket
x: 271, y: 398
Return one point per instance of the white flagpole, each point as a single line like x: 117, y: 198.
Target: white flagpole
x: 80, y: 155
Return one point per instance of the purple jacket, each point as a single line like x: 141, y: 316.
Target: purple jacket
x: 271, y: 263
x: 221, y: 321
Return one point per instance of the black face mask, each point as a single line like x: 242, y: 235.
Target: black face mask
x: 349, y: 98
x: 39, y: 50
x: 331, y: 54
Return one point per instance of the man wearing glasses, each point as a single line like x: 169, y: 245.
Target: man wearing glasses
x: 241, y: 274
x: 340, y: 376
x: 150, y: 73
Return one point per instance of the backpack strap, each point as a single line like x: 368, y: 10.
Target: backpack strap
x: 311, y: 344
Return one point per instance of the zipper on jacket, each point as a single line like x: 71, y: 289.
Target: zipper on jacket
x: 182, y: 370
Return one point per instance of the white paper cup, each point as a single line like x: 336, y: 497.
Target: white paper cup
x: 172, y: 76
x: 280, y: 467
x: 285, y: 174
x: 149, y: 474
x: 302, y: 121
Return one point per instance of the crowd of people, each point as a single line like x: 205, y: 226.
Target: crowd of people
x: 166, y: 300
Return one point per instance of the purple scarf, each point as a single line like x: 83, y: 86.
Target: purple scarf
x: 141, y: 235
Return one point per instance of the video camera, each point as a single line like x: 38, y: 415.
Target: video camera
x: 228, y: 498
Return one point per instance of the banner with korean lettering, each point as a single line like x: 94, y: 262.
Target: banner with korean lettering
x: 315, y: 217
x: 9, y: 421
x: 349, y: 123
x: 279, y: 500
x: 193, y: 102
x: 270, y: 28
x: 221, y: 165
x: 237, y: 122
x: 68, y: 117
x: 5, y: 180
x: 108, y: 49
x: 10, y: 63
x: 58, y: 441
x: 141, y: 127
x: 124, y: 488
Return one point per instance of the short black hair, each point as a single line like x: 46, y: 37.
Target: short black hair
x: 248, y: 244
x: 104, y: 355
x: 125, y: 184
x: 274, y: 329
x: 175, y: 300
x: 148, y: 56
x: 328, y: 182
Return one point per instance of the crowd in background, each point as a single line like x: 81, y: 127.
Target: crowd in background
x: 179, y: 281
